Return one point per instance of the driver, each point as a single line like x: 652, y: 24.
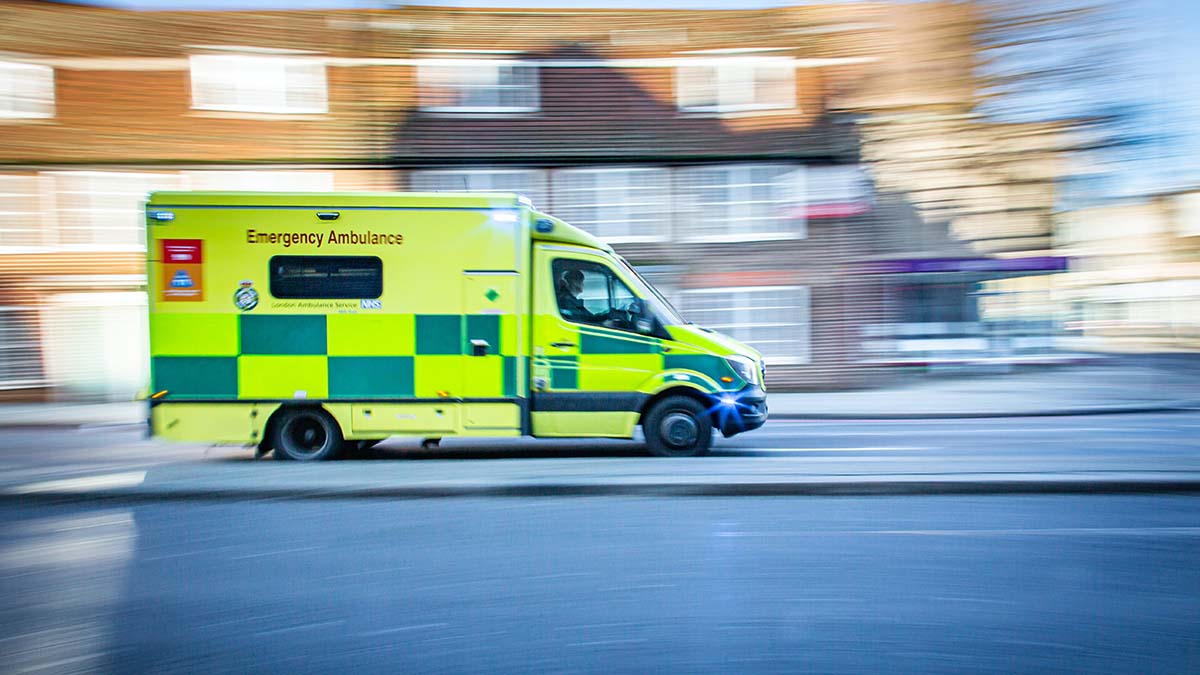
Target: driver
x: 569, y: 304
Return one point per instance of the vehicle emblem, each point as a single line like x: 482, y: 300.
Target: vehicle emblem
x: 246, y: 298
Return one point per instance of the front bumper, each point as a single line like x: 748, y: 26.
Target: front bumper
x: 740, y: 411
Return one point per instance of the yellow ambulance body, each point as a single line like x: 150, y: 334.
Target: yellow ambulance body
x: 310, y: 323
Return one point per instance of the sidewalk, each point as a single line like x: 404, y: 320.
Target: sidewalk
x: 1116, y: 386
x: 648, y: 477
x: 1123, y: 385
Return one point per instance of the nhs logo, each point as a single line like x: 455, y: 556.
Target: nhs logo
x: 370, y: 304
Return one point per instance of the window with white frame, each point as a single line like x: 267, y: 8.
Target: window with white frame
x: 478, y: 86
x: 21, y: 223
x: 836, y: 184
x: 616, y: 204
x: 259, y: 83
x: 528, y: 182
x: 740, y: 202
x: 736, y: 84
x: 20, y: 351
x: 26, y: 90
x: 261, y: 181
x: 104, y: 210
x: 772, y: 319
x: 836, y: 191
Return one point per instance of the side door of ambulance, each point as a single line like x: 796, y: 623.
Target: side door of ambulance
x: 589, y: 361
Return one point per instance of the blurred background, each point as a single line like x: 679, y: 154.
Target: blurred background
x: 867, y: 192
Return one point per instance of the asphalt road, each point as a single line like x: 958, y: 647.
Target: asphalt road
x: 613, y: 585
x: 1064, y: 583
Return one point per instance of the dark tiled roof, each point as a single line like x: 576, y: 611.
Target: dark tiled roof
x: 601, y: 113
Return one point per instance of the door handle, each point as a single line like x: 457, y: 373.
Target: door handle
x: 562, y: 345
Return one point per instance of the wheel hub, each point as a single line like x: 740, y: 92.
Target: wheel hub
x: 306, y: 436
x: 680, y: 430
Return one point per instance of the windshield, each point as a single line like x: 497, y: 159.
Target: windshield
x: 665, y: 310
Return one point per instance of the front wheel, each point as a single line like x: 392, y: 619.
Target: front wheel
x: 307, y: 435
x: 677, y: 426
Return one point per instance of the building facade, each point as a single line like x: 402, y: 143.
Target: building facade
x: 749, y: 162
x: 1134, y: 285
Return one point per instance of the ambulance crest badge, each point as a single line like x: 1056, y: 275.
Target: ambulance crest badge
x: 246, y: 298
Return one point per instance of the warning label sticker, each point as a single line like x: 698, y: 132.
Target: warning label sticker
x: 182, y: 277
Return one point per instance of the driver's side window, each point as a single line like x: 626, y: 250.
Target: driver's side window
x: 589, y: 292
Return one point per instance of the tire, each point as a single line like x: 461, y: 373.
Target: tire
x: 307, y: 435
x: 678, y: 426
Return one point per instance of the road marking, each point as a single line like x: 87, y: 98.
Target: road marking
x: 279, y: 552
x: 599, y: 643
x: 101, y: 426
x: 381, y: 570
x: 305, y: 626
x: 244, y: 619
x: 83, y: 483
x: 562, y: 575
x: 641, y: 587
x: 402, y: 629
x: 592, y: 626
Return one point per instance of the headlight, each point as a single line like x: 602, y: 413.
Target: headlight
x: 744, y: 367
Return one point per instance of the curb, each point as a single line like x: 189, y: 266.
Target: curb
x: 1005, y: 486
x: 92, y: 425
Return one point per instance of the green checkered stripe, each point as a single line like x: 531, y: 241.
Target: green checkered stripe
x: 355, y: 356
x: 613, y: 357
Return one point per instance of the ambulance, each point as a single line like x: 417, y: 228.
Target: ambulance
x: 312, y: 324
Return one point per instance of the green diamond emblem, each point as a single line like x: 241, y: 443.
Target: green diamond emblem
x: 491, y: 295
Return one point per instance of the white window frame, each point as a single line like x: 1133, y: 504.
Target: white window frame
x: 11, y: 196
x: 428, y: 77
x: 691, y: 209
x: 660, y: 202
x: 741, y: 306
x: 215, y: 70
x: 11, y: 90
x: 840, y: 185
x: 735, y: 81
x: 539, y: 176
x: 35, y: 369
x: 134, y: 212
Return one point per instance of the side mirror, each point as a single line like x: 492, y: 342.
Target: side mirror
x: 645, y: 326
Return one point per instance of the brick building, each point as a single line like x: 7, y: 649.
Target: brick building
x: 718, y: 150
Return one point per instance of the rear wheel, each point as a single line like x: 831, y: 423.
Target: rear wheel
x: 307, y: 435
x: 678, y: 426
